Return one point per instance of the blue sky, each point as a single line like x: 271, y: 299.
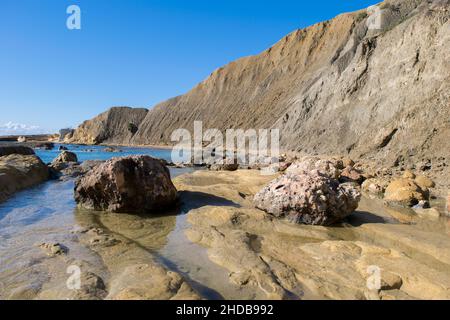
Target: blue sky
x: 130, y: 52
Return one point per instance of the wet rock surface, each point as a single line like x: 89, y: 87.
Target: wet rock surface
x: 280, y: 260
x: 256, y: 256
x: 135, y: 273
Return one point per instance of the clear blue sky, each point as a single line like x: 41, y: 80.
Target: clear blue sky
x: 131, y: 52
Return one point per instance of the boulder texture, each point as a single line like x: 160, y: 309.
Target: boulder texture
x: 66, y: 156
x: 271, y: 259
x: 343, y: 86
x: 326, y: 167
x: 309, y: 198
x: 135, y: 184
x: 18, y: 172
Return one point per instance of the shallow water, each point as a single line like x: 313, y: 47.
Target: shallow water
x: 48, y: 213
x: 97, y: 152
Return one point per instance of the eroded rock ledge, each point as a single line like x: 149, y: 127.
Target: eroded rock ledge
x: 285, y: 261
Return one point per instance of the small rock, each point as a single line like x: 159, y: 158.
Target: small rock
x: 408, y: 175
x: 349, y: 174
x: 424, y: 182
x: 44, y: 145
x: 228, y: 165
x: 65, y: 156
x: 404, y: 192
x: 104, y: 240
x: 390, y: 281
x: 347, y: 162
x: 111, y: 149
x: 54, y: 249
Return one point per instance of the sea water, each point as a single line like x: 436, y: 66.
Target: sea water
x: 48, y: 213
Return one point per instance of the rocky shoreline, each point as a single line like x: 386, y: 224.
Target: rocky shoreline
x: 399, y: 225
x: 299, y: 261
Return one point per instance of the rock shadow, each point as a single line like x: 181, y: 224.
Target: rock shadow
x: 190, y: 200
x: 359, y: 218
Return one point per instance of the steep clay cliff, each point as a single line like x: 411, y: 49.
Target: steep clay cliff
x: 337, y: 87
x: 116, y: 126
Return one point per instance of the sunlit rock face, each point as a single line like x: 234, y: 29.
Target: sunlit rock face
x: 309, y: 198
x: 136, y: 184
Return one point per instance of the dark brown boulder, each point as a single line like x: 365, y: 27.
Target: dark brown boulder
x: 135, y: 184
x: 7, y: 150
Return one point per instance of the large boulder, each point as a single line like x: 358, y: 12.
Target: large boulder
x: 309, y: 198
x: 18, y: 172
x: 135, y: 184
x: 405, y: 192
x: 7, y: 150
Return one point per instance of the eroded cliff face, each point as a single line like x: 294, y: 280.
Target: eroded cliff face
x: 115, y: 126
x: 338, y: 87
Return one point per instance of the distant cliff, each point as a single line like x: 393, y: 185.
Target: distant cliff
x: 337, y: 87
x: 115, y: 126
